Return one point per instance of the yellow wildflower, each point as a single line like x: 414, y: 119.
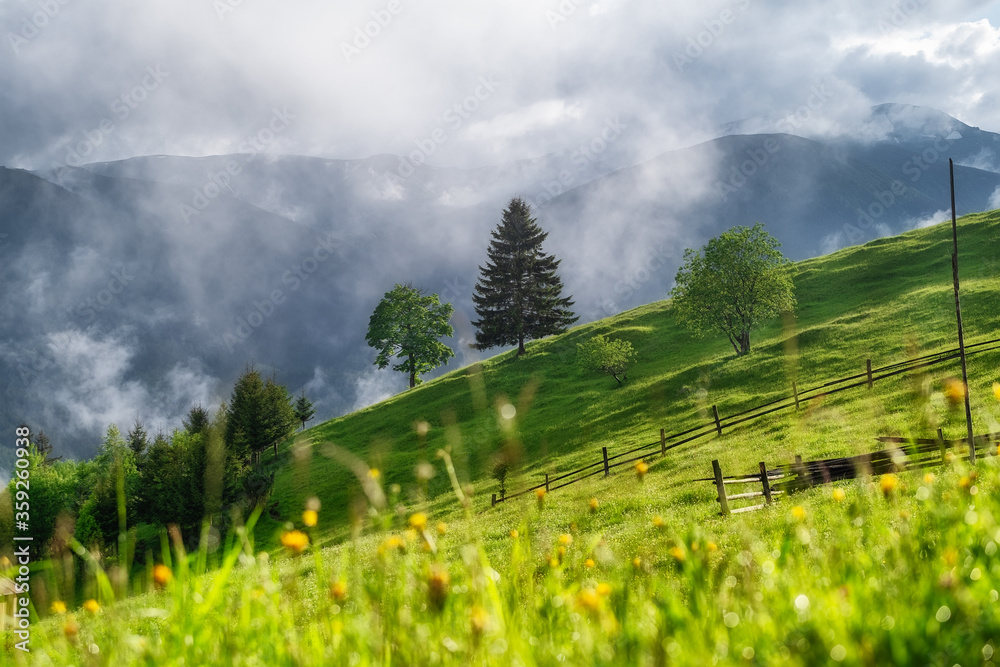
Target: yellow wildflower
x: 636, y: 562
x: 391, y: 543
x: 593, y: 504
x: 888, y: 484
x: 677, y: 553
x: 92, y: 606
x: 71, y: 629
x: 641, y: 468
x: 996, y: 390
x: 162, y: 575
x: 514, y: 534
x: 58, y: 607
x: 589, y: 563
x: 442, y: 527
x: 658, y: 521
x: 418, y: 521
x: 437, y: 586
x: 839, y: 495
x: 338, y: 590
x: 565, y: 539
x: 929, y: 478
x: 478, y: 619
x: 603, y: 589
x: 588, y: 599
x: 798, y: 512
x: 374, y: 473
x: 295, y: 540
x: 954, y: 391
x: 310, y: 517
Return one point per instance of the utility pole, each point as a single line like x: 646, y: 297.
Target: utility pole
x: 958, y: 314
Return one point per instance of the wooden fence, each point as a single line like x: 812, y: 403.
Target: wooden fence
x: 719, y: 424
x: 902, y: 454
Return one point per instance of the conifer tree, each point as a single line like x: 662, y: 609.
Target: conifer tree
x: 304, y: 409
x: 137, y: 439
x: 197, y: 420
x: 260, y: 415
x: 519, y: 295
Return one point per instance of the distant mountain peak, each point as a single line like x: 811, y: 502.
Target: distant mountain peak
x: 891, y: 121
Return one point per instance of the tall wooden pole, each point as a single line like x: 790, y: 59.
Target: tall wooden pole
x: 958, y: 314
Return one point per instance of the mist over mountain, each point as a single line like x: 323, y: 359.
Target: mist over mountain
x: 141, y: 287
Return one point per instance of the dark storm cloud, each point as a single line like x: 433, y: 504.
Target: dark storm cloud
x: 592, y: 86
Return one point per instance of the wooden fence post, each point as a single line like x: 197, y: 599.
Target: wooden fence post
x: 870, y: 381
x: 718, y: 424
x: 941, y: 444
x: 604, y: 452
x: 663, y: 442
x: 721, y: 486
x: 795, y: 392
x: 493, y: 503
x: 546, y: 482
x: 765, y: 482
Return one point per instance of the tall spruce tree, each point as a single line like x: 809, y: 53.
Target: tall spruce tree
x: 519, y: 295
x: 137, y: 439
x: 304, y: 409
x: 260, y: 415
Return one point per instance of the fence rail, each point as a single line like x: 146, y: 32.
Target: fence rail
x: 904, y: 454
x: 719, y: 424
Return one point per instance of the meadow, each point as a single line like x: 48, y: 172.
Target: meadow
x: 382, y: 547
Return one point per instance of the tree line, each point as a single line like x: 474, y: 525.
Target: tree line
x: 198, y: 473
x: 732, y: 284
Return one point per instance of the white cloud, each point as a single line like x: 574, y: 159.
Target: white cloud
x: 559, y: 82
x: 995, y: 199
x: 375, y: 386
x: 88, y: 380
x: 927, y: 221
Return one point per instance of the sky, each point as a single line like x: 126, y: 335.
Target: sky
x: 450, y: 84
x: 460, y: 83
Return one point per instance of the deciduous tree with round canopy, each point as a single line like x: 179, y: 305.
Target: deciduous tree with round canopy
x: 732, y: 284
x: 407, y: 324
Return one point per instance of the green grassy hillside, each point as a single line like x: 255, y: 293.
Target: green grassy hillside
x: 624, y: 570
x: 885, y: 300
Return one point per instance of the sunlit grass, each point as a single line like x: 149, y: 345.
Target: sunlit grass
x: 379, y: 559
x: 886, y: 300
